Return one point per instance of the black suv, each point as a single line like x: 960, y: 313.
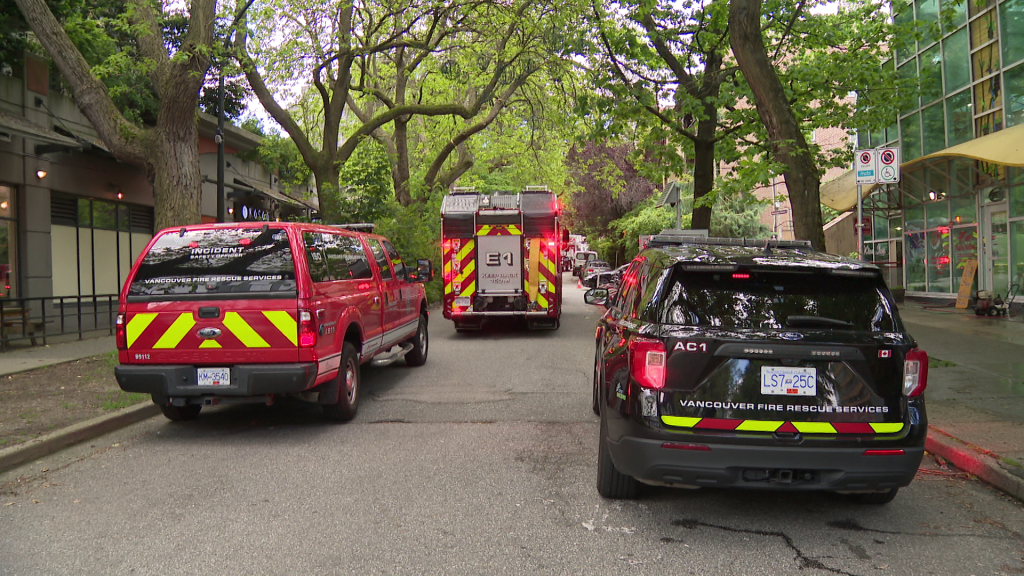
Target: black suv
x: 755, y: 363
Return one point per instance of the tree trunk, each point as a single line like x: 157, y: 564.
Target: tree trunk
x: 174, y: 173
x: 400, y: 171
x: 328, y: 192
x: 703, y: 173
x: 785, y: 137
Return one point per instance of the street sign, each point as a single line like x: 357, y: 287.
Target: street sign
x: 888, y: 165
x: 865, y: 166
x: 777, y: 212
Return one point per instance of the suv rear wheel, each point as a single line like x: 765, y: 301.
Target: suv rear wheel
x: 348, y: 387
x: 610, y: 482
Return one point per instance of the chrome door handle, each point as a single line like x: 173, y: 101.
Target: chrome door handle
x: 376, y: 299
x: 320, y: 313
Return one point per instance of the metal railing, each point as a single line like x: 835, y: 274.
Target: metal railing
x: 40, y: 318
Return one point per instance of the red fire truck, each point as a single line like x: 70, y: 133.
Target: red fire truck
x: 501, y: 257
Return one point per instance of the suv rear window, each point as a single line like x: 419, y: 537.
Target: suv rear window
x: 219, y: 261
x: 768, y: 298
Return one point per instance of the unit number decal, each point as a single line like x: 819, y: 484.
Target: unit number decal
x: 496, y: 258
x: 691, y: 346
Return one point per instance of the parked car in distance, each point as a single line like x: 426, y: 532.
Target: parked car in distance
x: 580, y: 259
x: 251, y: 311
x: 595, y: 266
x: 604, y: 279
x: 755, y: 364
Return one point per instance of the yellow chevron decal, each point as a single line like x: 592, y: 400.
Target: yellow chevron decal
x: 466, y: 272
x: 760, y: 425
x: 680, y: 421
x: 178, y: 330
x: 466, y: 249
x: 241, y: 329
x: 887, y: 428
x: 209, y: 344
x: 285, y: 323
x: 814, y: 427
x: 137, y: 325
x: 469, y: 290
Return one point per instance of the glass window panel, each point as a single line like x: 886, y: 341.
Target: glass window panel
x: 914, y: 253
x: 913, y: 189
x: 1011, y: 21
x: 123, y: 221
x: 983, y: 28
x: 956, y: 61
x: 938, y: 260
x: 931, y: 75
x: 863, y: 139
x: 959, y: 116
x: 1017, y: 250
x: 1015, y: 95
x: 957, y: 12
x: 928, y: 13
x: 965, y: 247
x: 907, y: 74
x: 914, y: 219
x: 104, y: 215
x: 895, y: 227
x: 965, y: 209
x: 989, y: 123
x: 977, y: 6
x: 934, y: 128
x: 905, y: 46
x: 910, y: 131
x: 8, y: 257
x: 892, y: 133
x: 84, y: 212
x: 1016, y: 201
x: 985, y: 62
x: 880, y: 227
x: 7, y: 202
x: 937, y: 213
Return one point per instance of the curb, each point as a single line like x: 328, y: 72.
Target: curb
x: 973, y: 460
x: 54, y: 441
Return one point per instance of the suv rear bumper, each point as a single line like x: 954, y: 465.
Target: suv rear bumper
x: 170, y: 380
x: 765, y: 467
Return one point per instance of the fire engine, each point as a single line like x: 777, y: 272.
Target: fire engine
x: 501, y: 257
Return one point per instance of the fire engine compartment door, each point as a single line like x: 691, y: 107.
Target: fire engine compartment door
x: 499, y: 264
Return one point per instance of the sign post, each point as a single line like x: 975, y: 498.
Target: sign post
x: 865, y: 166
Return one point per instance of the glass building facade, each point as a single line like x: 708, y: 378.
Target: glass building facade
x: 949, y: 209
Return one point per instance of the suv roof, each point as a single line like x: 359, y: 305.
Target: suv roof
x: 746, y: 252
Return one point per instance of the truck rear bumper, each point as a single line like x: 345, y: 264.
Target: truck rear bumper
x: 170, y: 380
x: 790, y: 468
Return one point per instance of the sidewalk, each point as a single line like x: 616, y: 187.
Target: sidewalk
x: 975, y: 406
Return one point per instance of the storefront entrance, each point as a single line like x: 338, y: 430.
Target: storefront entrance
x: 994, y: 264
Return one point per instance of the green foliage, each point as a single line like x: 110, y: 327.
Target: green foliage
x: 277, y: 154
x: 416, y: 232
x: 366, y: 186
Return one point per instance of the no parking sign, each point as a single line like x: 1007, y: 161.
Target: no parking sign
x: 865, y: 167
x: 888, y: 165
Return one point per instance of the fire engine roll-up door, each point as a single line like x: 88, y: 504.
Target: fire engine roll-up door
x: 457, y: 213
x: 499, y: 264
x: 538, y: 214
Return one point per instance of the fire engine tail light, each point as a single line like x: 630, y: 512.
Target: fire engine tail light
x: 647, y: 362
x: 307, y: 329
x: 915, y: 372
x: 120, y: 333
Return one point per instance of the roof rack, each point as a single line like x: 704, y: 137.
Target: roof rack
x: 464, y: 190
x: 359, y: 227
x: 679, y: 237
x: 541, y: 188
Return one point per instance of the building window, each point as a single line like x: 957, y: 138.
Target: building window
x: 1011, y: 19
x: 934, y: 128
x: 1015, y: 95
x: 94, y: 243
x: 958, y: 13
x: 8, y: 242
x: 910, y: 131
x: 959, y: 115
x: 956, y: 61
x: 931, y: 75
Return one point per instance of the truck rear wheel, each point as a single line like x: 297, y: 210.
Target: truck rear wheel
x: 418, y: 355
x: 348, y: 387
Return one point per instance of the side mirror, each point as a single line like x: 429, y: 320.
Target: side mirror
x: 596, y: 296
x: 424, y: 270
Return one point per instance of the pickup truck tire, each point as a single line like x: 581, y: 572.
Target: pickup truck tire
x: 420, y: 345
x: 348, y: 387
x: 181, y: 413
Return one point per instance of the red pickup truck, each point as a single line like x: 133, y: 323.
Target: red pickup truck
x: 248, y: 312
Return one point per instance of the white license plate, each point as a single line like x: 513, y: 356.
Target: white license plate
x: 213, y: 376
x: 462, y: 302
x: 787, y: 381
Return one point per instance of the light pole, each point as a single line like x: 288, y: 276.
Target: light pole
x: 219, y: 136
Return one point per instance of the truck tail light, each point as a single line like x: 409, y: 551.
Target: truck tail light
x: 307, y: 329
x: 915, y: 372
x: 120, y: 333
x: 647, y: 362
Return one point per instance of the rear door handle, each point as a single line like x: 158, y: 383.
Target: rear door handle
x: 320, y: 313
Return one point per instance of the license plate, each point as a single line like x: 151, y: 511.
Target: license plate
x: 462, y: 302
x: 787, y: 381
x: 213, y: 376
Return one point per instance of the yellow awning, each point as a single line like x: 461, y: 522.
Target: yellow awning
x: 1004, y: 147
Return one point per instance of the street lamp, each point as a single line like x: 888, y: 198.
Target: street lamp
x: 219, y: 136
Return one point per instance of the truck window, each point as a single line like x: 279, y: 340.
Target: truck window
x: 396, y: 260
x: 381, y: 258
x: 219, y: 261
x: 346, y: 258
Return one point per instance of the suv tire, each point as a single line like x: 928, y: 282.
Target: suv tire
x: 420, y: 344
x: 348, y: 387
x: 596, y: 406
x: 610, y: 482
x: 181, y: 413
x: 875, y: 498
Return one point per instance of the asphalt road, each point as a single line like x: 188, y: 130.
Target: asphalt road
x: 481, y: 462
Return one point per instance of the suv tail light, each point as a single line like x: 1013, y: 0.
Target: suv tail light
x: 120, y: 333
x: 915, y: 372
x: 307, y: 329
x: 647, y: 362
